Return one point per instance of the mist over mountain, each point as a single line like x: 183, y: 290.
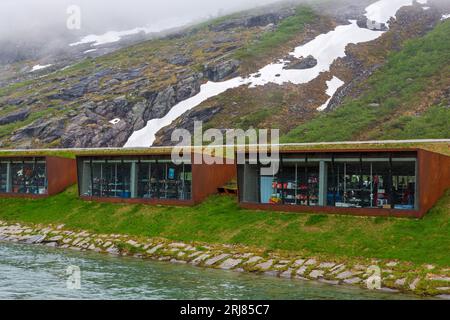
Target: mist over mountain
x: 30, y: 28
x: 319, y: 70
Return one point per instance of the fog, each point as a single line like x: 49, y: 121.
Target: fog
x: 32, y: 19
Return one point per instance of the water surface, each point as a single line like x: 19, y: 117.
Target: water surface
x: 38, y: 272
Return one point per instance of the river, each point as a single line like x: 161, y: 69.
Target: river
x: 38, y: 272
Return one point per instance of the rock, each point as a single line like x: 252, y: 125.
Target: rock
x: 154, y: 249
x: 310, y: 262
x: 216, y: 259
x: 444, y: 296
x: 133, y: 243
x: 15, y: 116
x: 179, y: 60
x: 352, y: 280
x: 287, y: 274
x: 338, y: 268
x: 326, y: 265
x: 253, y: 260
x: 177, y: 245
x: 301, y: 271
x: 230, y: 264
x: 45, y: 130
x: 392, y: 264
x: 302, y: 63
x: 345, y: 275
x: 265, y: 265
x: 56, y: 238
x: 316, y: 274
x: 36, y: 239
x: 400, y: 282
x: 414, y: 284
x: 200, y: 258
x: 222, y: 70
x: 52, y: 244
x: 113, y: 250
x: 443, y: 288
x: 298, y: 262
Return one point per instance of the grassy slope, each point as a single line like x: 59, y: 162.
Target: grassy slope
x: 270, y: 43
x: 395, y: 87
x: 220, y: 220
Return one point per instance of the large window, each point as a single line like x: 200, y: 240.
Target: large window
x: 297, y: 183
x: 26, y: 177
x: 4, y: 168
x: 353, y: 180
x: 145, y: 178
x: 164, y: 180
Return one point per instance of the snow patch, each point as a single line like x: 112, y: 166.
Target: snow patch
x: 147, y: 135
x: 115, y: 121
x: 326, y: 48
x: 89, y: 51
x: 382, y: 11
x: 333, y: 86
x: 114, y: 36
x: 40, y: 67
x: 445, y: 17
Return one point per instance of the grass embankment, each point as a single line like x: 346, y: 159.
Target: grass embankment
x: 271, y: 42
x: 387, y: 108
x: 220, y: 220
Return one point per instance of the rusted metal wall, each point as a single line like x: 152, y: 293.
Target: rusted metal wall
x: 206, y: 179
x: 434, y: 179
x: 61, y: 173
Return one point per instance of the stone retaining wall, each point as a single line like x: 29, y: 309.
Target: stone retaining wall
x: 396, y: 276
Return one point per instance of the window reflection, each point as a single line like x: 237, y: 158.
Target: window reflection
x: 136, y: 178
x: 23, y: 177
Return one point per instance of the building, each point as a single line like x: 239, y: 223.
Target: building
x: 403, y: 182
x: 35, y: 176
x: 148, y: 177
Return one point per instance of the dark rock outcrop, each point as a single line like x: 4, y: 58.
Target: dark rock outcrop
x: 14, y: 117
x: 222, y: 70
x: 302, y: 63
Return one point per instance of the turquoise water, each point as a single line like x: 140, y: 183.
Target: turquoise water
x: 37, y: 272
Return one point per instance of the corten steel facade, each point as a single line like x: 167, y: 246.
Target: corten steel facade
x: 149, y: 178
x: 367, y: 182
x: 35, y: 176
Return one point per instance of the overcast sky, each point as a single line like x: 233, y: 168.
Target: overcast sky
x: 31, y: 18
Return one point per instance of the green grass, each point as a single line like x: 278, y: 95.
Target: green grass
x: 433, y: 124
x: 220, y: 220
x: 401, y: 82
x: 285, y: 31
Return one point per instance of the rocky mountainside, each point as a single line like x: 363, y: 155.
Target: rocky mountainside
x: 100, y: 101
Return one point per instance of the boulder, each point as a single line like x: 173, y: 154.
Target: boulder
x: 222, y: 70
x: 302, y: 63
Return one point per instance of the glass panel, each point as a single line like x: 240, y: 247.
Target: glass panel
x: 296, y: 184
x: 110, y: 180
x: 403, y: 185
x: 164, y: 181
x: 29, y: 178
x: 3, y: 177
